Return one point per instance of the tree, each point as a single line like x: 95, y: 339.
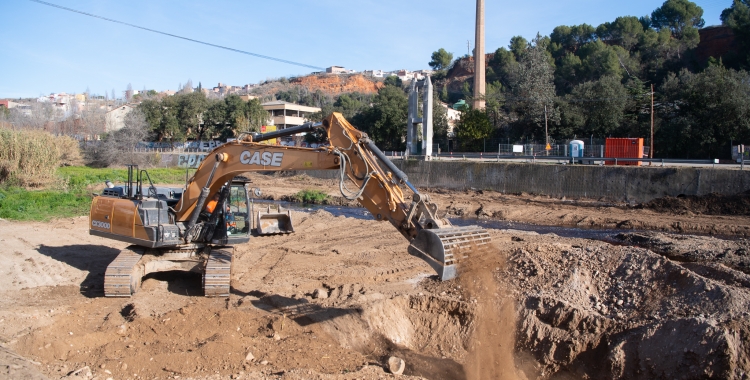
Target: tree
x: 682, y: 18
x: 518, y: 46
x: 393, y: 80
x: 597, y: 107
x: 738, y: 18
x: 441, y: 59
x: 624, y: 31
x: 503, y: 65
x: 534, y: 90
x: 473, y: 127
x: 703, y: 112
x: 190, y: 109
x: 439, y: 122
x: 129, y: 93
x: 118, y: 146
x: 385, y: 121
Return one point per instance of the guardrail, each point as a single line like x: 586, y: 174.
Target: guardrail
x: 560, y: 159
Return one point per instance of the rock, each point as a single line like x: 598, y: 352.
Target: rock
x: 265, y: 362
x: 81, y: 373
x: 396, y: 365
x: 124, y: 366
x: 276, y: 336
x: 122, y: 330
x: 249, y: 357
x: 320, y: 293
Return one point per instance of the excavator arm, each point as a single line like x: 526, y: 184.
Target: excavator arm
x: 365, y: 175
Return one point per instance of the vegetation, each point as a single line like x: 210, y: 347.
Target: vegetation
x: 17, y: 203
x: 30, y: 158
x: 441, y: 59
x: 596, y: 81
x: 193, y: 115
x: 311, y: 196
x: 70, y: 193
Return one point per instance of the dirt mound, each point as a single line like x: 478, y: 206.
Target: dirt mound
x: 710, y: 204
x: 694, y: 249
x: 14, y: 366
x: 588, y: 309
x: 338, y: 84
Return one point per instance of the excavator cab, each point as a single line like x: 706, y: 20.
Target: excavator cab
x: 229, y: 221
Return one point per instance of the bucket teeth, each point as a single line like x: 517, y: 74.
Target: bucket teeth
x: 443, y: 249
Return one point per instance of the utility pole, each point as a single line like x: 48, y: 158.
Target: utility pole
x: 651, y: 150
x: 546, y: 135
x: 479, y: 80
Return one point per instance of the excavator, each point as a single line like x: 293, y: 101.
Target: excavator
x: 172, y: 229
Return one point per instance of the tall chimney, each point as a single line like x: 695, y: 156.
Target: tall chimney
x: 479, y: 82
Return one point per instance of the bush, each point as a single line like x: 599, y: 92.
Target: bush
x: 30, y: 158
x: 312, y: 196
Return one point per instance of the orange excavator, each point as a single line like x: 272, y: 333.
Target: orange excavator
x: 172, y: 229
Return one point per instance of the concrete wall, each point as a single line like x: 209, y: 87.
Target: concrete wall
x: 621, y: 183
x: 617, y: 183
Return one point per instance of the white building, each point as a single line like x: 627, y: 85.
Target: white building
x: 284, y: 114
x: 375, y: 73
x: 115, y: 119
x: 453, y: 117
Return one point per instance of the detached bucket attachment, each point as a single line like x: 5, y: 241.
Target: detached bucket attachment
x: 274, y: 222
x: 445, y: 248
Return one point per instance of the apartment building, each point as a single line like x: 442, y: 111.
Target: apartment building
x: 284, y: 114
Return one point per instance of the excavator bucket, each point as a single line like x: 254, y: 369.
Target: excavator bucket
x: 443, y: 249
x: 271, y: 222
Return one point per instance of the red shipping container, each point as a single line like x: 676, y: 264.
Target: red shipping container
x: 623, y: 148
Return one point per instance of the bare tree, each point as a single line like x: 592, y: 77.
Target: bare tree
x: 118, y: 147
x: 188, y: 88
x: 93, y: 120
x: 129, y: 93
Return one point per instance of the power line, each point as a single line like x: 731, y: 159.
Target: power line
x: 176, y: 36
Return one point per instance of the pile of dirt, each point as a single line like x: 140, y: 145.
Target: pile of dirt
x: 592, y: 310
x: 710, y: 204
x: 704, y: 250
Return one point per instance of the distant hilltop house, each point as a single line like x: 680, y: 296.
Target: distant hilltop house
x: 22, y: 107
x: 224, y: 89
x: 375, y: 73
x: 285, y: 115
x: 115, y: 118
x: 404, y: 75
x: 66, y: 104
x: 339, y: 70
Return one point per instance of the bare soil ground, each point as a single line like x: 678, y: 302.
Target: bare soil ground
x: 648, y: 304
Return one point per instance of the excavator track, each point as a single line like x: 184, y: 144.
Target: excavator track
x: 218, y: 273
x: 123, y: 276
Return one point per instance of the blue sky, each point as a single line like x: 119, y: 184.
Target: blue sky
x: 44, y: 49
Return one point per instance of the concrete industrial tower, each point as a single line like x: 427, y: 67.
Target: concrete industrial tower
x: 479, y: 82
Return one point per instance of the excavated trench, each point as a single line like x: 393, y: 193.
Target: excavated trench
x: 582, y: 307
